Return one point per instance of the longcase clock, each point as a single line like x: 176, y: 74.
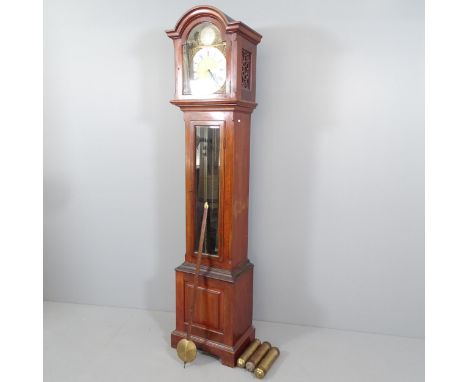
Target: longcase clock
x: 215, y: 88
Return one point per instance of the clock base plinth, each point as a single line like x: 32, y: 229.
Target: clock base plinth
x: 222, y: 316
x: 228, y: 355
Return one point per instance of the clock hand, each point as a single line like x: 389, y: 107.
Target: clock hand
x: 213, y: 77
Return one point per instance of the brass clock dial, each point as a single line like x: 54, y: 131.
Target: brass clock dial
x: 204, y: 61
x: 209, y: 71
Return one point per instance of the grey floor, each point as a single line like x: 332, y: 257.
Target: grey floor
x: 95, y: 343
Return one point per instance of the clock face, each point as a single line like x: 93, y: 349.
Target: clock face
x: 204, y: 61
x: 209, y: 71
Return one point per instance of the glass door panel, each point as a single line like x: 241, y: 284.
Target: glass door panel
x: 207, y: 164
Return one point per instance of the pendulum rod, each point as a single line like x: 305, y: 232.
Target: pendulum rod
x: 197, y: 270
x: 186, y: 348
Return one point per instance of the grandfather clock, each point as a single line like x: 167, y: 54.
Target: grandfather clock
x: 215, y: 88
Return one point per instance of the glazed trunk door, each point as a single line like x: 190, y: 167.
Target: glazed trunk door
x: 205, y: 180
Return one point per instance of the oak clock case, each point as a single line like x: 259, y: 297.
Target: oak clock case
x: 215, y: 88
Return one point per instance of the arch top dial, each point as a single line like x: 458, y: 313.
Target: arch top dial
x: 204, y: 61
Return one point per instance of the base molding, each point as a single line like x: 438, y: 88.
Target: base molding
x: 217, y: 273
x: 227, y: 354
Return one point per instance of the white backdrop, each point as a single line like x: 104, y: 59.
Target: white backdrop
x: 337, y: 159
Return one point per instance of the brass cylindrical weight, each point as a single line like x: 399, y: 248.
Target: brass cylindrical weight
x: 266, y: 362
x: 256, y: 357
x: 241, y: 361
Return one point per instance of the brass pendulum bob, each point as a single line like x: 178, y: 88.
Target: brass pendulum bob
x: 186, y: 348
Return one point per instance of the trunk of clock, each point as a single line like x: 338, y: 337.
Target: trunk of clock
x: 222, y: 322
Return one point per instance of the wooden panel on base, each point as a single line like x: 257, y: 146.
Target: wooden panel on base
x: 222, y: 323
